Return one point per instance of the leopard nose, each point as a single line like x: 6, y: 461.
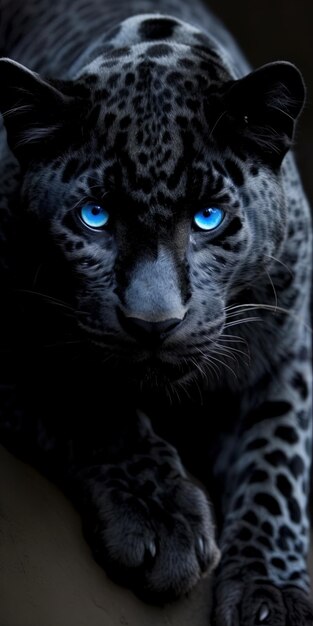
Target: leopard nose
x: 147, y: 331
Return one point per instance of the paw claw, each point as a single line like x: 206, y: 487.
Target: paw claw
x: 241, y: 600
x: 166, y: 548
x: 151, y: 549
x: 201, y: 546
x: 263, y: 614
x: 202, y: 552
x: 208, y: 553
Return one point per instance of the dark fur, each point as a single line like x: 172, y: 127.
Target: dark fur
x: 124, y: 345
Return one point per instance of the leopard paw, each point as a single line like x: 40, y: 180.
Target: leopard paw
x: 240, y: 603
x: 158, y: 540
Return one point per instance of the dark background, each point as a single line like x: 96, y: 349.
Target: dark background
x: 270, y: 30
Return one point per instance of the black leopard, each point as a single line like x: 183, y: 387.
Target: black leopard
x: 155, y: 286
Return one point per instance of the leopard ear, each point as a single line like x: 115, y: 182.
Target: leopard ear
x: 34, y: 110
x: 264, y: 106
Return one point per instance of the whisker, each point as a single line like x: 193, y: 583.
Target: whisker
x: 36, y: 275
x: 172, y: 392
x: 237, y: 351
x: 243, y: 321
x: 203, y: 375
x: 208, y: 362
x: 198, y: 366
x: 214, y: 358
x: 183, y: 386
x: 224, y: 337
x: 47, y: 297
x: 233, y: 342
x: 273, y: 287
x: 254, y: 305
x: 60, y: 343
x: 269, y: 256
x: 233, y: 339
x: 217, y: 122
x: 245, y: 308
x: 223, y: 351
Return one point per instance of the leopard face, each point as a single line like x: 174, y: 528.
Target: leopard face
x: 160, y: 142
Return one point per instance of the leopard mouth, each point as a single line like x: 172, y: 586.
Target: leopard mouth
x: 156, y: 371
x: 154, y: 366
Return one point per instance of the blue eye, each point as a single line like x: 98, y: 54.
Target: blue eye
x: 94, y: 216
x: 209, y: 219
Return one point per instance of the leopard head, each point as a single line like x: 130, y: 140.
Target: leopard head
x: 151, y: 184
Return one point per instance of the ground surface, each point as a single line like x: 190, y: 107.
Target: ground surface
x: 47, y: 575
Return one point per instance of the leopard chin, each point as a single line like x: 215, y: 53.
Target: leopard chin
x: 156, y: 373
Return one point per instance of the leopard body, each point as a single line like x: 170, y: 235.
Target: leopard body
x: 150, y: 349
